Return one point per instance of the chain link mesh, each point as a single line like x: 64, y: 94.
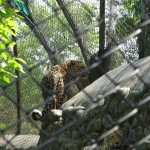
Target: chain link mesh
x: 116, y: 117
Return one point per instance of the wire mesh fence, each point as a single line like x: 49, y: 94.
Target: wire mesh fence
x: 64, y: 37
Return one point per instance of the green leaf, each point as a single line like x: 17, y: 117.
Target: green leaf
x: 2, y: 45
x: 2, y: 126
x: 20, y: 69
x: 12, y: 24
x: 2, y: 82
x: 11, y: 44
x: 3, y: 71
x: 3, y: 79
x: 6, y: 79
x: 10, y: 31
x: 4, y: 55
x: 127, y: 5
x: 21, y: 60
x: 13, y: 64
x: 4, y: 36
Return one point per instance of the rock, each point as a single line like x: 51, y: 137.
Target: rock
x: 75, y: 135
x: 122, y: 107
x: 98, y: 125
x: 94, y: 135
x: 123, y: 91
x: 132, y: 136
x: 90, y: 128
x: 57, y: 125
x: 92, y: 113
x: 105, y: 109
x: 146, y: 95
x: 72, y: 146
x: 112, y: 106
x: 80, y: 113
x: 70, y: 111
x: 52, y: 116
x: 142, y: 147
x: 135, y: 122
x: 107, y: 122
x: 62, y: 148
x: 50, y: 129
x: 135, y: 94
x: 147, y: 131
x: 139, y: 133
x: 85, y: 119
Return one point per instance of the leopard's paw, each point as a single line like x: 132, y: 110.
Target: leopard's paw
x: 36, y: 114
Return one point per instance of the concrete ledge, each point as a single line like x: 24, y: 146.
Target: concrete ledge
x: 18, y: 142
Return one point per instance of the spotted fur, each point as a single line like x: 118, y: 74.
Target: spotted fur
x: 53, y: 85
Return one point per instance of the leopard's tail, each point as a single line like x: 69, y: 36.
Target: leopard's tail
x: 36, y: 115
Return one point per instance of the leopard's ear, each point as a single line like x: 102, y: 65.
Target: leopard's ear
x: 72, y: 62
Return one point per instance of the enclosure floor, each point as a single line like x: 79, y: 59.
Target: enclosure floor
x: 18, y: 142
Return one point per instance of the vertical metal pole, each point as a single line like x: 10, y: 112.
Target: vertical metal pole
x: 74, y: 28
x: 102, y: 26
x: 142, y: 34
x: 18, y: 91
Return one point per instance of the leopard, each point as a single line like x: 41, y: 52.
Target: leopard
x: 54, y: 85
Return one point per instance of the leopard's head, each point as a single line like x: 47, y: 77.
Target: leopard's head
x: 77, y: 67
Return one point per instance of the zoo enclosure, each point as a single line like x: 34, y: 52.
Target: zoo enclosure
x: 51, y: 27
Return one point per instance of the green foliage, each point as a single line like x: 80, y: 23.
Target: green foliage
x: 2, y: 126
x: 124, y: 27
x: 7, y: 28
x: 59, y: 32
x: 134, y: 10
